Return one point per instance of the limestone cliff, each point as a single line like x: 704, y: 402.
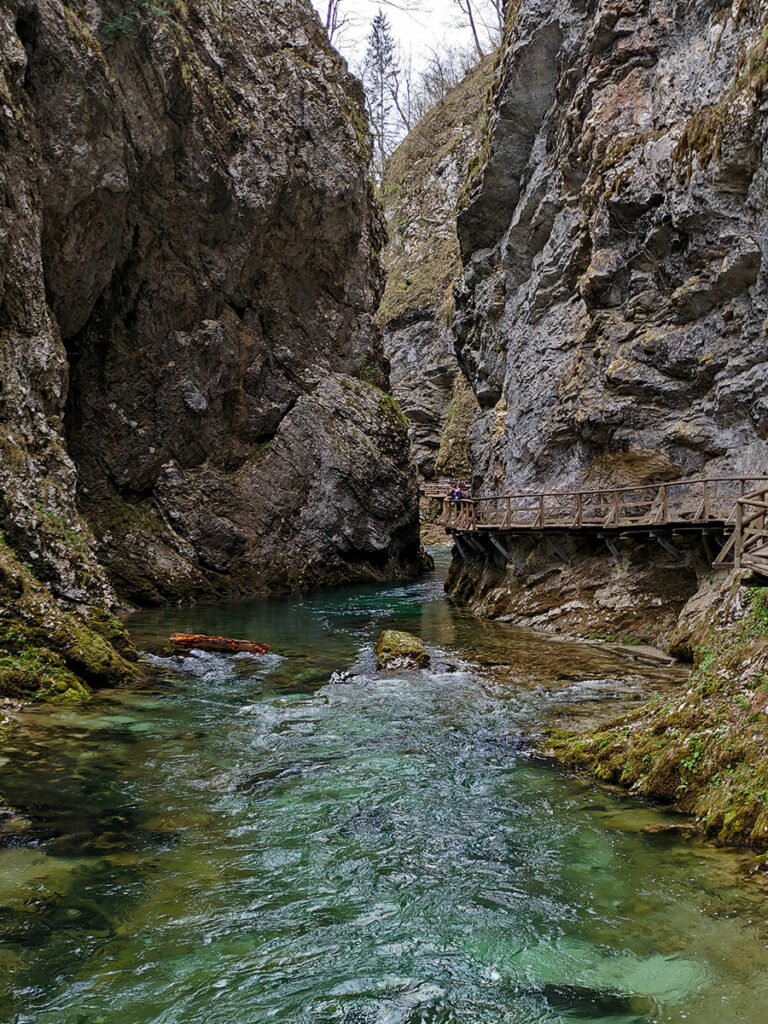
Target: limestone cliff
x: 421, y: 188
x: 611, y: 314
x: 193, y: 388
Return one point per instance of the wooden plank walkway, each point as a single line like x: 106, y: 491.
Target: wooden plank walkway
x: 729, y: 513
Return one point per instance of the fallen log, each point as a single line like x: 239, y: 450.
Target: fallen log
x: 217, y: 643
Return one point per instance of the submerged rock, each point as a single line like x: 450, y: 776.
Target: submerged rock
x: 396, y: 651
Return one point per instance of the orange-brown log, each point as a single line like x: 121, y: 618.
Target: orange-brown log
x: 218, y: 643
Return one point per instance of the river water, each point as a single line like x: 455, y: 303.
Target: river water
x: 240, y: 841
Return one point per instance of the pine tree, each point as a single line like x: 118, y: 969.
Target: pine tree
x: 381, y: 74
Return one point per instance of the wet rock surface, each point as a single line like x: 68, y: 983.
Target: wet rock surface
x: 193, y: 391
x: 612, y: 307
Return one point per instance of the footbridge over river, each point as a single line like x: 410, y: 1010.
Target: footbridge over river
x: 729, y: 514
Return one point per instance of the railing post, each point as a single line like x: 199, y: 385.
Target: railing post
x: 664, y: 504
x: 738, y: 548
x: 706, y: 500
x: 508, y: 516
x: 541, y: 510
x: 579, y: 509
x: 616, y: 507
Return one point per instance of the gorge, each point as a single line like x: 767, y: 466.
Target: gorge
x: 232, y: 357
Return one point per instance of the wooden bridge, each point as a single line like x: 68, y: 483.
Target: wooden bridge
x: 729, y: 514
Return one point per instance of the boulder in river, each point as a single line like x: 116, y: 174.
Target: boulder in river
x: 396, y: 651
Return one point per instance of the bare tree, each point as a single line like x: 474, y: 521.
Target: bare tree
x: 485, y: 19
x: 467, y: 7
x: 340, y: 13
x: 444, y: 70
x: 334, y: 20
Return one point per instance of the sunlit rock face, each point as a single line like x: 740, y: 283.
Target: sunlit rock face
x: 193, y: 384
x: 612, y: 306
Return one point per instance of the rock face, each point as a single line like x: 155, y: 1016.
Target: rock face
x: 611, y: 315
x: 421, y: 190
x: 396, y: 651
x: 193, y: 389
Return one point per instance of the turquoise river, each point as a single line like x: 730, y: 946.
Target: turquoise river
x: 297, y: 838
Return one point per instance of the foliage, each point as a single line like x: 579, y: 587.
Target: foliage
x: 126, y: 24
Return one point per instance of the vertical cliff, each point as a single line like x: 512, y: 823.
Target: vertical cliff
x: 420, y: 190
x: 194, y: 394
x: 611, y: 313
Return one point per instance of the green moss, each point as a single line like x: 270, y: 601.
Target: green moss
x: 706, y: 750
x: 703, y: 133
x: 46, y: 652
x: 391, y: 407
x: 396, y: 649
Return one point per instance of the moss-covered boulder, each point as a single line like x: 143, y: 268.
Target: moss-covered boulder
x: 49, y: 653
x: 396, y: 651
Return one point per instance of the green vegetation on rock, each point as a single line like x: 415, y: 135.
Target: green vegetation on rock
x: 453, y: 457
x: 706, y: 750
x: 423, y: 255
x: 48, y: 653
x: 397, y: 650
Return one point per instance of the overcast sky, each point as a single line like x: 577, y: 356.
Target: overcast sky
x: 418, y: 32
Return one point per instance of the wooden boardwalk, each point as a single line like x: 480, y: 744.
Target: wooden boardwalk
x: 730, y: 514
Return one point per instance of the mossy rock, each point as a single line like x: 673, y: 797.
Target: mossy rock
x: 396, y: 651
x: 47, y: 652
x: 704, y: 749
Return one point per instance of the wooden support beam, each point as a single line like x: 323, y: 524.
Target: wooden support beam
x: 614, y: 550
x: 559, y: 551
x: 707, y: 547
x: 459, y: 546
x: 477, y: 546
x: 668, y: 546
x: 501, y: 549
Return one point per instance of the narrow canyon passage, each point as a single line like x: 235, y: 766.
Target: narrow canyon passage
x: 242, y: 841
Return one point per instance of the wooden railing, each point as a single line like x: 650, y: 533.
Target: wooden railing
x: 440, y: 489
x: 749, y: 542
x: 711, y: 499
x: 732, y: 504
